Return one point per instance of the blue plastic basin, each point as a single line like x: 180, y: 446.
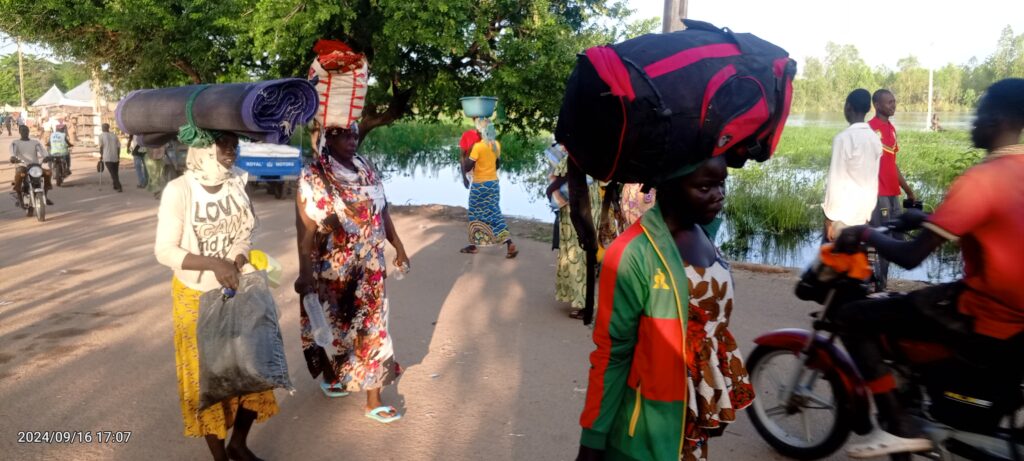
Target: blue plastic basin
x: 478, y: 106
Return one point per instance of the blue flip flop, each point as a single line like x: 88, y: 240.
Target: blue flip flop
x: 329, y: 391
x: 375, y: 414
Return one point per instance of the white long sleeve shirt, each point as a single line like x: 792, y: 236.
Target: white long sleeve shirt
x: 851, y: 190
x: 194, y: 221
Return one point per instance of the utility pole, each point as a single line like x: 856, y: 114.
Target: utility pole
x: 21, y: 76
x: 672, y: 18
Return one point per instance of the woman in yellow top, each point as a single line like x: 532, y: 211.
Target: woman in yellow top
x: 486, y: 224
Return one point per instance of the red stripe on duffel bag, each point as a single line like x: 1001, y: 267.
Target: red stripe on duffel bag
x: 611, y: 70
x: 685, y: 58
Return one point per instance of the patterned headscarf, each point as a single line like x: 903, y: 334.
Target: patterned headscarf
x: 203, y: 166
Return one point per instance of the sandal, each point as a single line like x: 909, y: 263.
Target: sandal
x: 375, y: 414
x: 881, y: 443
x: 576, y: 314
x: 331, y: 390
x: 512, y: 251
x: 471, y: 249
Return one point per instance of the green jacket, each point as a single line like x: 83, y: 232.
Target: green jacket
x: 636, y: 398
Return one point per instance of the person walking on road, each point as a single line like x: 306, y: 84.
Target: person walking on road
x: 486, y: 223
x: 890, y: 178
x: 110, y: 154
x: 342, y: 220
x: 688, y: 382
x: 851, y: 191
x: 139, y: 160
x: 206, y: 252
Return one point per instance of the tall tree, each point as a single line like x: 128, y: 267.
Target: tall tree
x: 423, y: 55
x: 40, y: 75
x: 427, y: 54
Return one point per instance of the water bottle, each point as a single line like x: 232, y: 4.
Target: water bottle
x: 322, y: 333
x: 401, y: 270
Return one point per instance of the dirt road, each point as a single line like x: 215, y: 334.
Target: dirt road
x: 494, y: 368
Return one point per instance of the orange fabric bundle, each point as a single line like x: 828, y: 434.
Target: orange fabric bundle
x: 853, y: 265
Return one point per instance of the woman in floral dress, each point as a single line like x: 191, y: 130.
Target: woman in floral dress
x: 342, y: 223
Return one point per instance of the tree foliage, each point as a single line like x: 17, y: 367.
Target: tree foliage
x: 423, y: 55
x: 824, y: 83
x: 40, y: 75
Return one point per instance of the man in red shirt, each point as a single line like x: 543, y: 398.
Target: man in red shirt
x: 890, y: 178
x: 981, y: 212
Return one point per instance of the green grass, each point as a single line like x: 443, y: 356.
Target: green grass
x: 770, y: 199
x: 782, y: 196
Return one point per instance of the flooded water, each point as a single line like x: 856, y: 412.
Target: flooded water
x: 916, y: 121
x: 521, y: 195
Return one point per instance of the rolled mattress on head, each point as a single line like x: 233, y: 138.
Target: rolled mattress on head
x: 267, y: 111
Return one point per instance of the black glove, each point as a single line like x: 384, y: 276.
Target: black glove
x: 911, y: 219
x: 848, y: 240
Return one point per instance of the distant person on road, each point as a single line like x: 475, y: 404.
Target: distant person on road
x: 571, y: 268
x: 645, y: 379
x: 138, y: 159
x: 851, y: 190
x: 486, y: 224
x: 207, y: 251
x: 60, y: 145
x: 110, y: 153
x: 156, y: 168
x: 890, y: 178
x: 28, y: 151
x: 342, y: 220
x: 8, y: 121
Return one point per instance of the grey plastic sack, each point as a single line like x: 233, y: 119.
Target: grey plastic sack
x: 239, y: 339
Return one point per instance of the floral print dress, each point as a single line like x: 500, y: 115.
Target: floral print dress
x: 349, y: 266
x: 719, y: 385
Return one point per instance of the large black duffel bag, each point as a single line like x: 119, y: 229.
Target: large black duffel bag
x: 644, y: 110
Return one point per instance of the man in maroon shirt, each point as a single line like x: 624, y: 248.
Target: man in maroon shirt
x: 890, y: 179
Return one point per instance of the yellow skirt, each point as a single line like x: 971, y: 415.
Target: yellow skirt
x: 217, y: 419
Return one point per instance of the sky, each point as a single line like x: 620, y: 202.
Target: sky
x: 938, y: 32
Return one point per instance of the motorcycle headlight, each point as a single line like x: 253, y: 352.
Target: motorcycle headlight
x: 35, y: 171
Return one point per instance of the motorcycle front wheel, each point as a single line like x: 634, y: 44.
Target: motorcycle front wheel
x: 813, y: 422
x: 40, y: 207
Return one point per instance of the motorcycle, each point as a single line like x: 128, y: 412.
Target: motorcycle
x: 59, y: 168
x: 33, y: 191
x: 810, y: 396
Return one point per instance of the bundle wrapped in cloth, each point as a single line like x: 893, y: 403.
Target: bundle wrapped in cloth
x: 267, y: 111
x: 340, y: 76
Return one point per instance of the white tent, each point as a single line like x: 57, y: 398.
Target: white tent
x: 52, y: 97
x: 82, y: 92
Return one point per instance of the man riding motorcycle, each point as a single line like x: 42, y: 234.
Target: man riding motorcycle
x: 28, y: 151
x: 981, y: 212
x: 60, y: 146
